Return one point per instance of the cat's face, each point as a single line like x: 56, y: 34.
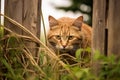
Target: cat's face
x: 65, y: 36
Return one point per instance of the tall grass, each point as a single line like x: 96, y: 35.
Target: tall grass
x: 18, y: 63
x: 14, y: 45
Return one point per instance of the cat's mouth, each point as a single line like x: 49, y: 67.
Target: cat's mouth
x: 64, y: 50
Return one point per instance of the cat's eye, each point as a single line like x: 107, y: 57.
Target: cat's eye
x: 70, y: 37
x: 58, y: 37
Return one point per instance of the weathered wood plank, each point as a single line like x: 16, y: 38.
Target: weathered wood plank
x: 98, y: 38
x: 29, y: 20
x: 26, y: 13
x: 13, y: 9
x: 114, y: 28
x: 99, y: 25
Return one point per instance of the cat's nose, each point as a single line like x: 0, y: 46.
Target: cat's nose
x: 64, y: 46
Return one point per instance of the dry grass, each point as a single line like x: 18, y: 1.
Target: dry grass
x: 18, y: 63
x: 46, y: 59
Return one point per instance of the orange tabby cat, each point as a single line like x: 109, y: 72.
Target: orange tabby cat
x: 66, y: 35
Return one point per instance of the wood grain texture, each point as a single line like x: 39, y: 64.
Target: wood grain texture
x: 114, y: 28
x: 98, y: 25
x: 98, y: 37
x: 25, y: 12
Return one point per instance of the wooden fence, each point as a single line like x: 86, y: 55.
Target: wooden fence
x: 106, y: 28
x: 27, y: 13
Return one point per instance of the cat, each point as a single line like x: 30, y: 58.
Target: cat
x: 66, y: 35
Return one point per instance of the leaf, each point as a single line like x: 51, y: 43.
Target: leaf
x: 97, y: 55
x: 88, y: 49
x: 78, y: 53
x: 111, y: 58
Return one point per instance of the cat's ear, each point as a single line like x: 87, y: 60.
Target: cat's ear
x: 52, y: 21
x: 78, y: 22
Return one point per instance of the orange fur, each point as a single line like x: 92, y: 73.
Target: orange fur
x: 66, y: 35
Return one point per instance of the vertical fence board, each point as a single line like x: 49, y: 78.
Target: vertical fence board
x: 26, y: 13
x: 99, y: 25
x: 29, y: 20
x: 106, y: 15
x: 98, y: 38
x: 13, y: 9
x: 114, y: 28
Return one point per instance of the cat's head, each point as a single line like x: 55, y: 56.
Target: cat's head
x: 65, y: 34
